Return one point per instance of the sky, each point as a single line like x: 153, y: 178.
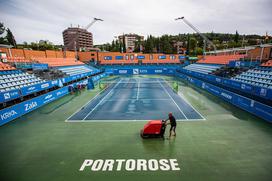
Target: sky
x: 33, y: 20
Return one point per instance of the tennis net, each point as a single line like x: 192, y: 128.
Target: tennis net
x: 138, y: 84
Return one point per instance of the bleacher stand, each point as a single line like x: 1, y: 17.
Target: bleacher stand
x: 4, y: 66
x: 220, y: 59
x: 202, y: 68
x: 18, y: 60
x: 58, y: 62
x: 16, y: 79
x: 75, y: 70
x: 260, y: 76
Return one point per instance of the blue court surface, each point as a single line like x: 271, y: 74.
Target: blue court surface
x: 136, y: 99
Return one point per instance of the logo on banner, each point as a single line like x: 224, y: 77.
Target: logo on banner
x: 122, y: 71
x: 30, y: 106
x: 226, y: 95
x: 9, y: 114
x: 7, y: 96
x: 60, y: 83
x: 237, y: 64
x: 48, y: 97
x: 135, y: 71
x: 252, y: 103
x: 263, y: 92
x: 44, y: 85
x: 31, y: 88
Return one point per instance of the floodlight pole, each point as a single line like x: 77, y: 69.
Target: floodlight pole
x: 205, y: 39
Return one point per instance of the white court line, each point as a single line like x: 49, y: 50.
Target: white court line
x: 102, y: 100
x: 85, y: 104
x: 181, y: 95
x: 136, y: 99
x: 127, y: 120
x: 173, y: 100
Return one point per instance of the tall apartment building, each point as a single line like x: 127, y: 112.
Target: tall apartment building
x: 130, y: 40
x: 77, y: 37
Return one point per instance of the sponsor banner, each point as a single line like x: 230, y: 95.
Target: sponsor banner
x: 136, y: 71
x: 181, y: 57
x: 162, y: 57
x: 10, y: 95
x: 18, y: 110
x: 36, y: 88
x: 140, y: 57
x: 257, y: 91
x: 98, y: 77
x: 261, y: 110
x: 107, y: 57
x: 39, y: 66
x: 119, y: 57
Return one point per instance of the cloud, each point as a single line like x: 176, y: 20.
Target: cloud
x: 33, y: 20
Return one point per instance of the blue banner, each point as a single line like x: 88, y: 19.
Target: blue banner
x: 136, y: 71
x: 107, y: 57
x: 261, y: 110
x: 119, y: 57
x: 140, y: 57
x: 10, y: 95
x: 162, y: 57
x: 247, y: 88
x: 18, y: 110
x: 36, y: 88
x: 39, y: 66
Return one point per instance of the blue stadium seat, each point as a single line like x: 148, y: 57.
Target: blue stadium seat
x: 257, y: 76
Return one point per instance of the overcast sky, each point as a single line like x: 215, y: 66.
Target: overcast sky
x: 32, y: 20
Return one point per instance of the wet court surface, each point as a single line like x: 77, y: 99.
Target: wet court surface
x: 136, y: 99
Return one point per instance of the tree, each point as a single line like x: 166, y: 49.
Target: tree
x: 236, y: 37
x: 192, y: 46
x: 10, y: 38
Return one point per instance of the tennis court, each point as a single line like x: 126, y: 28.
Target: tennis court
x: 136, y: 99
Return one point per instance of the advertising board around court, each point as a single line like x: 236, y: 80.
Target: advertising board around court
x: 18, y: 110
x: 261, y: 110
x: 247, y: 88
x: 136, y: 71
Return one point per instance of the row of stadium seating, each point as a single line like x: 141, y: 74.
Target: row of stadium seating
x: 257, y: 76
x: 4, y: 66
x: 202, y: 68
x: 220, y: 59
x: 17, y: 59
x: 11, y: 80
x: 58, y: 62
x: 136, y: 61
x: 75, y: 70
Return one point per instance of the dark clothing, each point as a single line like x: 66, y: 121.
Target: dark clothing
x: 173, y: 121
x: 173, y: 128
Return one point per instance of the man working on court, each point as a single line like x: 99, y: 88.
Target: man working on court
x: 173, y: 124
